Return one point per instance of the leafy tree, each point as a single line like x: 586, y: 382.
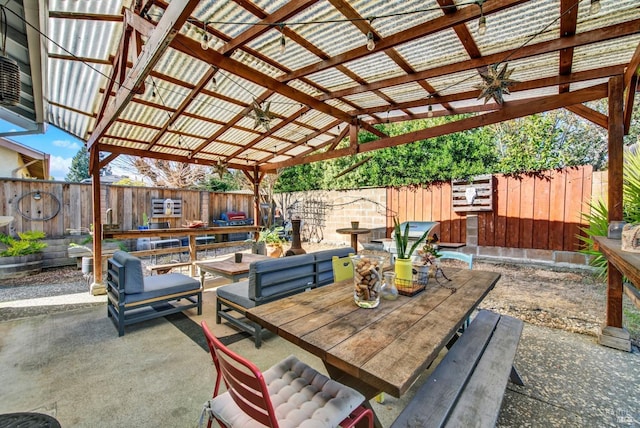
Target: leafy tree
x: 213, y: 183
x: 79, y: 169
x: 130, y: 182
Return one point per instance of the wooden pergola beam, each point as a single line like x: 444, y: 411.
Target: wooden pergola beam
x: 630, y: 85
x: 590, y: 114
x: 568, y: 23
x: 594, y: 36
x: 510, y: 110
x: 172, y: 20
x: 580, y: 76
x: 436, y: 25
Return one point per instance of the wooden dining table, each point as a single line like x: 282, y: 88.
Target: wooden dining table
x: 383, y: 349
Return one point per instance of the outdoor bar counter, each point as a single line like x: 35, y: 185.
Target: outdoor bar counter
x: 180, y: 231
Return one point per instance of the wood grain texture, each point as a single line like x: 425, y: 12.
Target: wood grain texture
x: 386, y: 348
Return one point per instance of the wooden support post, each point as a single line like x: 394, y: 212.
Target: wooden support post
x: 613, y: 323
x: 97, y: 287
x: 193, y: 254
x: 256, y: 201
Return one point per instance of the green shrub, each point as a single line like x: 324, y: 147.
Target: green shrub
x: 29, y: 243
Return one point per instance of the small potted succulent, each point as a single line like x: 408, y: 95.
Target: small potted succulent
x: 427, y: 265
x: 403, y: 268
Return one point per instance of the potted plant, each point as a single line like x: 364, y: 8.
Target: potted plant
x: 403, y: 268
x: 21, y: 257
x: 427, y: 264
x: 272, y: 240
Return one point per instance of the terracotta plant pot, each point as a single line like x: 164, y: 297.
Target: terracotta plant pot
x: 274, y: 251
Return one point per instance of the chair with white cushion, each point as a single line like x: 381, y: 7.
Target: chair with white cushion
x: 288, y: 395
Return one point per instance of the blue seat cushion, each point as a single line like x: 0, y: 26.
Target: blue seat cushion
x: 324, y: 265
x: 163, y: 285
x: 133, y: 277
x: 238, y: 293
x: 276, y: 278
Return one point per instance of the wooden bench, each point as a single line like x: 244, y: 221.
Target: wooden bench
x: 166, y: 268
x: 467, y: 387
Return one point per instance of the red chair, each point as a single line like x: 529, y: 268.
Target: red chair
x: 288, y: 395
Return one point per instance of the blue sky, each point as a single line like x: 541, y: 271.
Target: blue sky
x: 61, y: 146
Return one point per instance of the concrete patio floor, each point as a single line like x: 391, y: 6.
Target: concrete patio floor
x: 72, y: 365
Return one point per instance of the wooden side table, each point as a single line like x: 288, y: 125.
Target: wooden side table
x: 354, y: 235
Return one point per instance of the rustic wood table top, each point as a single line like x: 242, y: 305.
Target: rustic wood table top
x: 229, y: 266
x: 381, y: 349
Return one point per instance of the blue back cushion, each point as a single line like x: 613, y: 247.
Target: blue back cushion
x: 133, y: 278
x: 275, y: 278
x: 324, y: 265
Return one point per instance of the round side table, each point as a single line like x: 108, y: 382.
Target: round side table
x: 354, y: 235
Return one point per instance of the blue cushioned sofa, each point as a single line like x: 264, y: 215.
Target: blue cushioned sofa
x: 133, y: 297
x: 274, y: 279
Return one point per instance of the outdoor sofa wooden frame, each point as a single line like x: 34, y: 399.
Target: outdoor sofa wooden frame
x: 133, y: 298
x: 271, y: 280
x: 467, y: 387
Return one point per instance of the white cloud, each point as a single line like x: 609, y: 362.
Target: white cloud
x: 59, y: 167
x: 66, y: 144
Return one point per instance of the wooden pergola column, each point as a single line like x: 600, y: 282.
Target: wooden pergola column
x: 612, y: 331
x: 97, y: 287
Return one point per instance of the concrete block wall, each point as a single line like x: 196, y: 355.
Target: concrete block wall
x: 367, y: 206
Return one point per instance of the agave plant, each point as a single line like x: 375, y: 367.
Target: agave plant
x: 402, y: 240
x: 598, y: 214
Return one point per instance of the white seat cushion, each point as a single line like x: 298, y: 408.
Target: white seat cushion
x: 301, y: 396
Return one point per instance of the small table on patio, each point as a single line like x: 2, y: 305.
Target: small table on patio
x: 228, y: 268
x: 376, y: 350
x: 354, y: 235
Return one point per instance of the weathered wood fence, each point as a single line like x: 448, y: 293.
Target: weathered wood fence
x: 541, y: 211
x: 60, y: 208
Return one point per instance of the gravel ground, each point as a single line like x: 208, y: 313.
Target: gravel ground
x: 571, y: 301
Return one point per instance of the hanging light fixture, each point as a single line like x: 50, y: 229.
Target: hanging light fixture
x: 283, y: 42
x: 214, y: 82
x: 594, y: 7
x: 371, y: 43
x: 205, y: 37
x: 430, y: 112
x: 9, y: 69
x: 482, y: 21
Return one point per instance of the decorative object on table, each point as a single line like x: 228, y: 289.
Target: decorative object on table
x: 429, y: 265
x: 355, y: 224
x: 389, y: 290
x: 238, y: 257
x: 631, y: 238
x: 495, y: 83
x: 614, y: 231
x: 403, y: 267
x: 367, y: 280
x: 195, y: 224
